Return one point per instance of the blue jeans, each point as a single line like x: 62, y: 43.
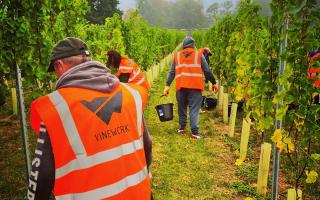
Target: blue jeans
x: 191, y: 98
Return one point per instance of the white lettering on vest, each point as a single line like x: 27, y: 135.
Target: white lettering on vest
x: 32, y: 185
x: 30, y: 195
x: 36, y: 162
x: 34, y: 175
x: 107, y: 134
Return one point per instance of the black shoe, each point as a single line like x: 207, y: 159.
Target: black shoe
x: 197, y: 136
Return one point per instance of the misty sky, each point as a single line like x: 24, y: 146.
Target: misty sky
x: 126, y: 4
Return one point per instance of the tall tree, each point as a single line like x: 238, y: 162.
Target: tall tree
x: 186, y: 14
x: 227, y: 5
x: 101, y: 9
x: 213, y: 9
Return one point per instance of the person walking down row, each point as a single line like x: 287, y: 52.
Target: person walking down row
x: 127, y: 69
x: 188, y: 68
x: 92, y: 143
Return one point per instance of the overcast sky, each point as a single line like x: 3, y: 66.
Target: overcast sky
x: 126, y: 4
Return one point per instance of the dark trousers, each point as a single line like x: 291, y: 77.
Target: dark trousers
x: 191, y: 98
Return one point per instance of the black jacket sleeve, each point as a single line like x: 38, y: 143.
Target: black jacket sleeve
x: 206, y: 70
x: 172, y: 74
x: 147, y: 143
x: 42, y: 175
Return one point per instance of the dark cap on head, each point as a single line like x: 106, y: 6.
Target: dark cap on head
x: 188, y: 42
x: 66, y: 48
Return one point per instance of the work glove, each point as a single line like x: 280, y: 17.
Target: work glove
x: 166, y: 91
x: 215, y: 88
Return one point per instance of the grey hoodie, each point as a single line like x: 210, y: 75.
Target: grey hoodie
x: 89, y: 75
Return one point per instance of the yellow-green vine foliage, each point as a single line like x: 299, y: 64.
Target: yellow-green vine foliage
x: 31, y: 28
x: 246, y: 57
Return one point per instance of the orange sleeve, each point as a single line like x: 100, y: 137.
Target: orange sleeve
x: 35, y: 119
x: 143, y: 93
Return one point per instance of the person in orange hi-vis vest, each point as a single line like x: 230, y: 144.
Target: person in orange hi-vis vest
x: 92, y: 142
x: 314, y: 67
x: 314, y: 72
x: 188, y: 68
x: 127, y: 70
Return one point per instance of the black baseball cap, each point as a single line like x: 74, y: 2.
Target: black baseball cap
x: 67, y: 47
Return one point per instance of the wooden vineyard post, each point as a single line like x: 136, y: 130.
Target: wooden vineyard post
x: 232, y: 121
x: 292, y: 194
x: 210, y: 86
x: 154, y: 72
x: 220, y: 98
x: 245, y: 132
x: 264, y: 168
x: 14, y: 101
x: 225, y: 108
x: 151, y: 77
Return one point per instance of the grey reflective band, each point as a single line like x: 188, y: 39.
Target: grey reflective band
x: 125, y: 67
x: 188, y: 65
x: 109, y: 190
x: 68, y: 123
x: 138, y: 102
x: 140, y: 82
x: 99, y: 158
x: 135, y: 74
x: 188, y: 74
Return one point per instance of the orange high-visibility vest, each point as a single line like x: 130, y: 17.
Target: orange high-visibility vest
x: 136, y: 75
x: 313, y: 73
x: 97, y: 142
x: 201, y: 50
x: 188, y: 72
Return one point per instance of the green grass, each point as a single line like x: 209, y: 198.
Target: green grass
x: 184, y: 168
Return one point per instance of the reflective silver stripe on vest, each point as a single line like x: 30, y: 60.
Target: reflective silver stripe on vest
x: 196, y: 58
x: 189, y: 74
x: 68, y: 123
x: 125, y: 67
x: 313, y: 74
x: 138, y: 102
x: 110, y: 190
x: 140, y: 82
x: 135, y: 74
x: 99, y: 158
x: 188, y: 65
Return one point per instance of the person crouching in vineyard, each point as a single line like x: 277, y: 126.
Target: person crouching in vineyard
x: 314, y: 72
x: 92, y: 143
x: 127, y: 70
x: 188, y: 68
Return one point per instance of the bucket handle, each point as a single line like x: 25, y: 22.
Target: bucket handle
x: 160, y: 98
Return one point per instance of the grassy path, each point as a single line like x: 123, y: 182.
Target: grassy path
x: 184, y: 168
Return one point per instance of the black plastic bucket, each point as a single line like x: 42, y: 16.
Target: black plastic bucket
x: 165, y: 111
x: 210, y: 103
